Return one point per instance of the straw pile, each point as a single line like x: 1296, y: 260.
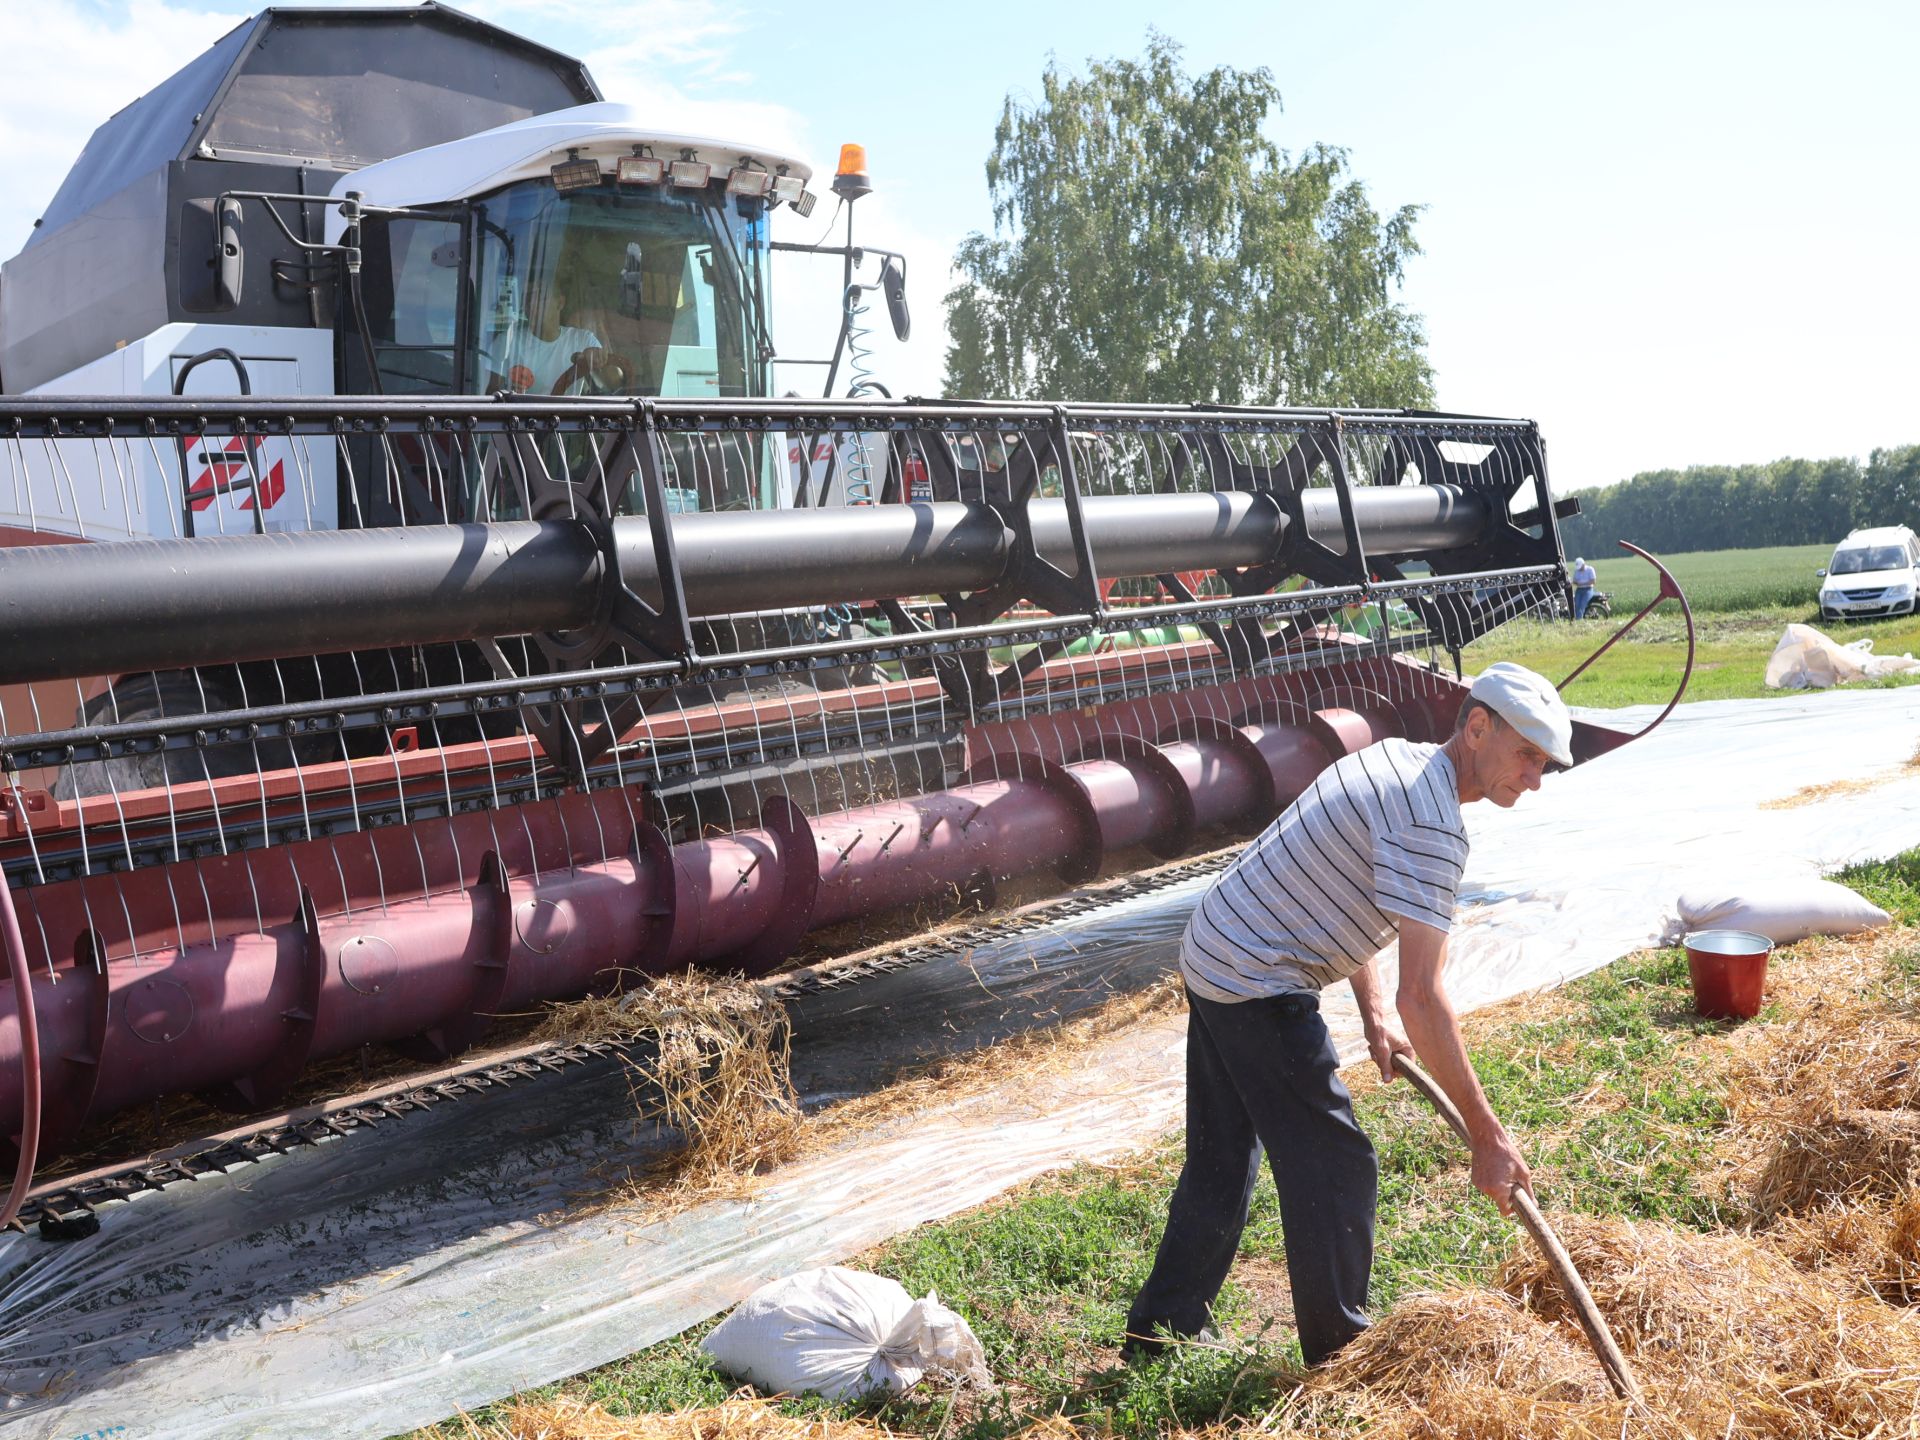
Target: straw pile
x: 714, y: 1071
x: 1727, y: 1335
x: 740, y: 1418
x: 1836, y: 789
x: 1878, y: 1248
x: 1799, y: 1327
x: 722, y: 1077
x: 1826, y: 1115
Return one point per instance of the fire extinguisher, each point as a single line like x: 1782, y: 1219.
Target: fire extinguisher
x: 919, y: 485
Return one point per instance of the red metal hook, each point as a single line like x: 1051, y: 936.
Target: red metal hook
x: 16, y: 953
x: 1669, y: 590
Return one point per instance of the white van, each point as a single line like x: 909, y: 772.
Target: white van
x: 1873, y: 572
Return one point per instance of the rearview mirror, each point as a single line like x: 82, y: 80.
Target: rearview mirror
x: 893, y: 284
x: 1821, y: 572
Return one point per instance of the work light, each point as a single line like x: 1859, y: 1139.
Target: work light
x: 573, y: 173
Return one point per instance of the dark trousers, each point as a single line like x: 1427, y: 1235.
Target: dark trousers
x: 1262, y: 1074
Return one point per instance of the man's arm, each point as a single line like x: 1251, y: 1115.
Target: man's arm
x: 1428, y: 1016
x: 1383, y: 1040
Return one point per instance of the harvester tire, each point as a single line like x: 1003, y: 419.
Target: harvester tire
x: 170, y: 693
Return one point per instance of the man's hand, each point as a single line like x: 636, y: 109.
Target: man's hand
x: 1384, y: 1041
x: 1497, y: 1168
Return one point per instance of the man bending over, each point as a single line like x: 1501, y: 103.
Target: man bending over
x: 1372, y: 849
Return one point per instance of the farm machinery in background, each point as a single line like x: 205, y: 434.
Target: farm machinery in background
x: 354, y: 706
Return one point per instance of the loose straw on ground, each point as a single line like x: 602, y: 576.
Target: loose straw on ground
x: 717, y: 1076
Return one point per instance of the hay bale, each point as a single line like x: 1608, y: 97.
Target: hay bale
x: 1839, y: 1158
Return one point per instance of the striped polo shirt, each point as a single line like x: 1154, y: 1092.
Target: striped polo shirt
x: 1376, y: 839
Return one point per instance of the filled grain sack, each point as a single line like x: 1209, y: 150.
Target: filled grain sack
x: 1782, y: 908
x: 843, y: 1333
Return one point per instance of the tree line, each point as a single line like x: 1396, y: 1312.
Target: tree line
x: 1151, y: 243
x: 1739, y: 507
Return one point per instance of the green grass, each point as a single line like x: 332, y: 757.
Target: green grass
x: 1893, y: 885
x: 1742, y: 601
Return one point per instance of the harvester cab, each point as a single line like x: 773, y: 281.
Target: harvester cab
x: 486, y: 265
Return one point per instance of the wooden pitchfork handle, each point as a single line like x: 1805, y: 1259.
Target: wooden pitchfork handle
x: 1619, y: 1374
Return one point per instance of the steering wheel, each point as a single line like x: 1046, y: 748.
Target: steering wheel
x: 587, y: 377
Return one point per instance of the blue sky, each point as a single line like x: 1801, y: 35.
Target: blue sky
x: 1673, y: 233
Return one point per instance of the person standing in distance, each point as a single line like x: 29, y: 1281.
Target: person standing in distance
x: 1374, y: 847
x: 1584, y: 578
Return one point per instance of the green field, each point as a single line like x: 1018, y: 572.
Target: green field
x: 1721, y: 580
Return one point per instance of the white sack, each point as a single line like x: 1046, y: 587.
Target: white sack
x: 1782, y: 909
x: 842, y: 1333
x: 1805, y: 659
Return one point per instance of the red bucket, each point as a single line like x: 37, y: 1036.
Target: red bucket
x: 1729, y: 970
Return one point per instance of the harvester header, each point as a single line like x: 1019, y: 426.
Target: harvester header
x: 620, y: 698
x: 424, y: 614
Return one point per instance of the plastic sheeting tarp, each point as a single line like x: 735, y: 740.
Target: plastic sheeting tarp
x: 365, y: 1287
x: 1806, y: 659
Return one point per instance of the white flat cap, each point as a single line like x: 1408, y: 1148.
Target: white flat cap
x: 1529, y: 704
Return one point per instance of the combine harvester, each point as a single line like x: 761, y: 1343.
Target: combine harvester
x: 490, y: 638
